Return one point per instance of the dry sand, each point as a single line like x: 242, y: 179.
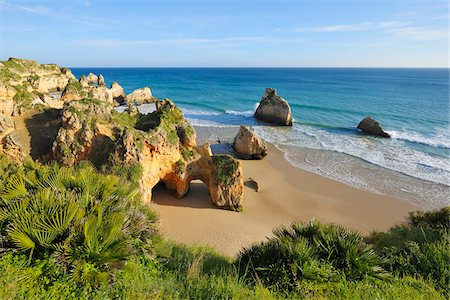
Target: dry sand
x: 286, y: 194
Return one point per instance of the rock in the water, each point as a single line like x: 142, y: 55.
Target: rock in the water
x: 101, y: 80
x: 92, y: 79
x: 139, y: 96
x: 274, y: 109
x: 370, y: 126
x: 248, y: 145
x: 117, y: 93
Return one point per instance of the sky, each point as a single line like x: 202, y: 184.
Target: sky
x: 216, y: 33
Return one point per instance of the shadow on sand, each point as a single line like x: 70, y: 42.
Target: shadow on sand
x: 197, y: 197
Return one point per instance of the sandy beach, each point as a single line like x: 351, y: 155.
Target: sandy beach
x: 286, y: 194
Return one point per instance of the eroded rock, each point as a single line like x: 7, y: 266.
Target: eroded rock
x: 92, y: 79
x: 117, y: 93
x: 101, y: 80
x: 161, y: 145
x: 140, y: 96
x: 274, y: 109
x: 372, y: 127
x: 248, y: 145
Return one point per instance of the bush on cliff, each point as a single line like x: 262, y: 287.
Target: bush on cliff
x: 420, y: 247
x: 87, y: 223
x: 309, y: 252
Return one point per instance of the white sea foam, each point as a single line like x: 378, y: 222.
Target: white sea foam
x: 440, y: 140
x: 245, y: 113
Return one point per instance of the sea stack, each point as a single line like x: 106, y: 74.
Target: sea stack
x: 140, y: 96
x: 274, y: 109
x: 372, y: 127
x: 248, y: 145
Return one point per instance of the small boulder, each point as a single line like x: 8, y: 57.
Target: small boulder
x: 139, y: 96
x: 274, y: 109
x: 248, y: 145
x: 371, y: 126
x: 101, y: 80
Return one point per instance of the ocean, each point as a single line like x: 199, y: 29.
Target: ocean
x: 327, y: 104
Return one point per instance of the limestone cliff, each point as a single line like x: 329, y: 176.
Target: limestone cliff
x: 161, y: 145
x: 83, y: 124
x: 24, y: 84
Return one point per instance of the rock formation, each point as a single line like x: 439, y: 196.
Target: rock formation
x: 83, y: 81
x: 117, y: 93
x: 84, y: 125
x: 372, y: 127
x: 274, y: 109
x: 101, y: 80
x: 161, y: 145
x: 140, y: 96
x: 25, y: 83
x: 92, y: 79
x: 248, y: 145
x: 8, y: 144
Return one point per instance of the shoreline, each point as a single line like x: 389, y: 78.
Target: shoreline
x: 286, y: 194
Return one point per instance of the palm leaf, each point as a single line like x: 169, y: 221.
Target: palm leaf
x: 15, y: 188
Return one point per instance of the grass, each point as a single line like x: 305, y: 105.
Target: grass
x: 225, y: 168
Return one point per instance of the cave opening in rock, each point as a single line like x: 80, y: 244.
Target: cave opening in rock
x: 148, y: 121
x: 197, y: 197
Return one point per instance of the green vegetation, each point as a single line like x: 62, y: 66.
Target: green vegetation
x: 123, y: 119
x: 75, y: 233
x: 7, y: 75
x: 225, y: 168
x: 73, y: 87
x: 23, y: 97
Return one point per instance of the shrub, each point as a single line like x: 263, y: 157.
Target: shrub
x: 88, y: 221
x: 309, y: 252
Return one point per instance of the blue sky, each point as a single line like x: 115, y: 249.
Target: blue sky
x: 302, y: 33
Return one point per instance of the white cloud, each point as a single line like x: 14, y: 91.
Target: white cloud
x: 417, y: 33
x: 336, y: 28
x: 34, y: 9
x: 397, y: 28
x: 230, y: 41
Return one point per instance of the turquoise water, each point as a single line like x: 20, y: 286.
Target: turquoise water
x: 327, y: 104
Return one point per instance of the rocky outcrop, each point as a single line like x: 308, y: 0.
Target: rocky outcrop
x: 140, y: 96
x: 7, y: 94
x: 83, y: 81
x: 8, y: 143
x: 274, y: 109
x: 83, y: 122
x: 76, y: 91
x: 92, y: 79
x: 117, y: 93
x: 83, y: 125
x: 248, y: 145
x: 101, y: 80
x: 25, y: 83
x: 372, y: 127
x: 161, y: 145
